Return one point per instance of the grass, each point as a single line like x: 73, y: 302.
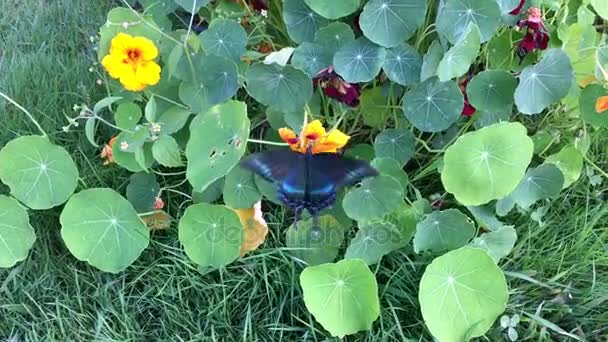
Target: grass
x: 558, y: 271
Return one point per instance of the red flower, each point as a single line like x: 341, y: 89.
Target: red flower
x: 536, y: 37
x: 159, y: 203
x: 517, y: 10
x: 468, y: 109
x: 336, y: 88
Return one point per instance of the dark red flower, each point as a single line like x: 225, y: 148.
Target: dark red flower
x: 517, y: 10
x: 536, y: 37
x: 336, y: 88
x: 468, y: 109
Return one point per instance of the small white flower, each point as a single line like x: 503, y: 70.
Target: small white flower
x: 155, y: 127
x: 66, y: 128
x: 91, y: 69
x: 75, y: 107
x: 264, y: 13
x: 125, y: 25
x: 124, y: 145
x: 99, y: 82
x: 154, y: 137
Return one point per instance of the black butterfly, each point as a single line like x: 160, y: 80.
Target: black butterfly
x: 307, y: 181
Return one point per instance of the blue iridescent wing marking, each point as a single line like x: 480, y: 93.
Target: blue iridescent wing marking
x: 338, y: 170
x: 274, y: 166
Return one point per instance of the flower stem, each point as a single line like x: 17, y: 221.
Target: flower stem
x: 266, y: 142
x: 29, y: 115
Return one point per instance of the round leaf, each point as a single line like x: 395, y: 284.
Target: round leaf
x: 240, y: 191
x: 461, y: 294
x: 285, y: 89
x: 570, y: 161
x: 587, y: 102
x: 218, y: 140
x: 122, y: 19
x: 359, y: 61
x: 373, y: 241
x: 391, y: 167
x: 457, y: 61
x: 373, y: 107
x: 396, y: 143
x: 142, y: 191
x: 403, y: 65
x: 166, y: 151
x: 334, y: 36
x: 211, y: 234
x: 539, y: 183
x: 375, y: 198
x: 127, y: 115
x: 601, y: 7
x: 316, y: 245
x: 333, y: 9
x: 127, y: 159
x: 431, y: 60
x: 457, y: 15
x: 40, y: 175
x: 311, y: 58
x: 173, y: 119
x: 16, y: 234
x: 492, y: 90
x: 489, y: 118
x: 302, y: 23
x: 391, y: 22
x: 487, y: 164
x: 192, y: 6
x: 224, y: 38
x: 101, y: 227
x: 343, y: 297
x: 443, y: 231
x: 498, y: 243
x: 544, y: 83
x: 433, y: 106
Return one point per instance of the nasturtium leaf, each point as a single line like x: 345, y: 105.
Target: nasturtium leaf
x: 391, y: 22
x: 224, y: 38
x: 16, y: 234
x: 150, y: 109
x: 302, y: 22
x: 311, y: 58
x: 362, y: 152
x: 498, y: 243
x: 570, y: 161
x: 240, y: 191
x: 40, y: 175
x: 373, y: 241
x: 375, y: 198
x: 544, y: 83
x: 359, y: 61
x: 373, y: 107
x: 334, y: 36
x: 166, y: 151
x: 173, y: 119
x: 487, y: 164
x: 492, y: 91
x: 142, y: 191
x: 403, y: 65
x: 285, y: 89
x: 489, y: 118
x: 431, y: 60
x: 443, y: 231
x: 587, y: 103
x: 500, y: 54
x: 601, y: 7
x: 101, y: 227
x: 461, y: 294
x: 127, y: 115
x: 122, y: 19
x: 405, y: 218
x: 333, y: 9
x: 484, y: 215
x: 316, y: 245
x: 504, y: 206
x: 127, y: 159
x: 433, y: 106
x: 391, y: 167
x: 211, y: 234
x: 458, y: 59
x: 217, y: 142
x: 192, y: 6
x: 268, y: 189
x: 396, y: 143
x: 217, y: 80
x: 507, y: 6
x: 539, y: 183
x: 343, y: 297
x: 457, y: 15
x: 135, y: 138
x: 211, y: 193
x: 580, y: 43
x: 159, y: 8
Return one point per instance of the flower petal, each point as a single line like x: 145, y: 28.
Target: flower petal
x: 601, y: 105
x: 337, y: 137
x: 148, y: 73
x: 114, y: 65
x: 120, y: 44
x: 288, y: 136
x: 255, y: 228
x: 129, y: 80
x: 147, y: 48
x: 314, y: 130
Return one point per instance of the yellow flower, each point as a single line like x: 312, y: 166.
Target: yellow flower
x: 131, y: 60
x: 315, y: 136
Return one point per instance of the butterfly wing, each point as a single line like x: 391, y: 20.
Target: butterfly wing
x: 273, y: 166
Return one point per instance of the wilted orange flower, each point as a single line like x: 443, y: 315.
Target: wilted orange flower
x: 107, y: 156
x: 255, y: 228
x: 315, y: 136
x: 601, y: 105
x: 131, y: 60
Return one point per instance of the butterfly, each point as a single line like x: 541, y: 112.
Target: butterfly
x: 307, y: 181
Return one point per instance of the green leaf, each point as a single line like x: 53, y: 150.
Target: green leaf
x: 396, y: 143
x: 373, y: 241
x: 192, y: 6
x: 433, y: 106
x: 484, y: 215
x: 268, y: 189
x: 128, y: 160
x: 224, y: 38
x: 601, y: 7
x: 101, y: 227
x: 361, y: 152
x: 105, y: 103
x: 240, y: 191
x: 391, y: 22
x: 487, y: 164
x: 570, y: 162
x: 311, y: 58
x: 359, y: 61
x: 486, y: 119
x: 504, y: 206
x: 142, y: 191
x: 461, y: 294
x: 218, y: 140
x: 457, y: 15
x: 403, y: 65
x: 498, y: 243
x: 457, y: 61
x: 580, y: 44
x: 302, y: 23
x: 150, y: 110
x: 285, y: 89
x: 39, y: 174
x: 211, y: 234
x: 334, y: 36
x: 333, y: 9
x: 391, y: 167
x: 166, y: 151
x: 431, y: 60
x: 135, y: 138
x: 375, y: 198
x: 492, y: 91
x: 127, y: 115
x: 343, y: 297
x: 545, y: 83
x: 122, y: 19
x: 316, y: 245
x: 373, y: 107
x: 587, y: 103
x: 89, y: 130
x: 16, y: 235
x: 173, y: 119
x: 211, y: 194
x: 539, y: 183
x: 443, y: 231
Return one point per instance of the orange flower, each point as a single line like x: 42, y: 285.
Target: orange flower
x: 106, y: 152
x: 601, y: 105
x: 315, y: 136
x: 255, y: 228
